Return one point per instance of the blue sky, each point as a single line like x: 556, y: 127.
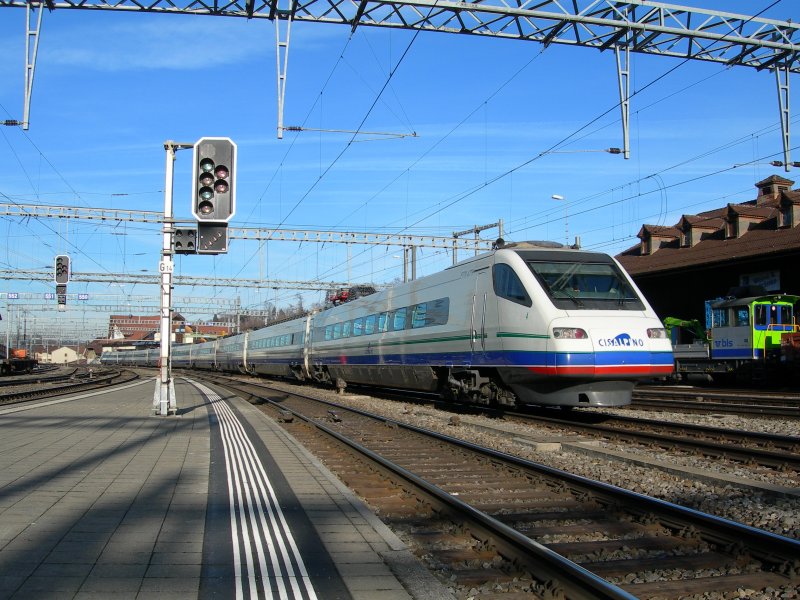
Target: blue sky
x: 110, y: 88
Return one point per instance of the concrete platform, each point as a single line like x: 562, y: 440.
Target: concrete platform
x: 101, y: 499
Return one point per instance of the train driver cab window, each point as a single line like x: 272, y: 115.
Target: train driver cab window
x: 585, y: 285
x: 761, y: 316
x: 720, y: 317
x: 785, y: 317
x: 775, y: 317
x: 508, y: 285
x: 741, y: 316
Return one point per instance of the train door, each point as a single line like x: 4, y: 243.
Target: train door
x: 307, y: 335
x: 483, y: 320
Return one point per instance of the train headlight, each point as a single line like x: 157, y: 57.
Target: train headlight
x: 569, y: 333
x: 657, y: 333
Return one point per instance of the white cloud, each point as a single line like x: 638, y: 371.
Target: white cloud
x: 143, y: 43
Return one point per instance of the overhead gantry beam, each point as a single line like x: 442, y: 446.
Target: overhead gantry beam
x: 39, y: 211
x: 635, y: 26
x: 650, y: 28
x: 46, y: 275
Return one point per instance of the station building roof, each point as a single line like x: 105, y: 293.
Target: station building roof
x: 770, y: 224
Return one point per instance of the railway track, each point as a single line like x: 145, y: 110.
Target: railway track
x: 36, y: 389
x: 780, y: 452
x: 497, y: 524
x: 40, y: 375
x: 701, y: 400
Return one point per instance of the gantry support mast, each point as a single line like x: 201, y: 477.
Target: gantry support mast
x: 641, y: 26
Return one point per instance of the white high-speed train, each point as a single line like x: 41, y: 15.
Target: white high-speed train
x: 527, y: 323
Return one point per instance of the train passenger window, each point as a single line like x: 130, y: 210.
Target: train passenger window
x: 399, y: 319
x: 369, y: 324
x: 358, y: 326
x: 383, y: 321
x: 337, y: 331
x: 508, y: 285
x: 328, y: 333
x: 347, y: 327
x: 418, y: 315
x: 438, y: 311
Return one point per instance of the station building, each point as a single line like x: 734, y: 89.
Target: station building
x: 706, y: 256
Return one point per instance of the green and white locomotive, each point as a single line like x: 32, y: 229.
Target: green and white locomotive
x: 752, y: 337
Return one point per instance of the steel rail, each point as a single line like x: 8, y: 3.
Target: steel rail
x: 769, y: 458
x: 766, y: 542
x: 577, y: 581
x: 769, y: 547
x: 715, y: 407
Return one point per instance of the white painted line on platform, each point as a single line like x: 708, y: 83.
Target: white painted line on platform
x: 264, y: 549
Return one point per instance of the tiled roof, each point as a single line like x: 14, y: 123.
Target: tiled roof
x: 701, y: 222
x: 667, y: 231
x: 759, y: 238
x: 755, y: 242
x: 748, y: 210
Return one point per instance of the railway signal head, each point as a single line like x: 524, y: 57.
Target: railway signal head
x: 214, y: 180
x: 61, y: 274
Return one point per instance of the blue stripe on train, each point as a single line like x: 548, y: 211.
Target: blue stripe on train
x: 509, y: 359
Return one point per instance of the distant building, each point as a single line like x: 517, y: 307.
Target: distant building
x: 136, y: 326
x: 129, y: 332
x: 198, y: 333
x: 62, y: 356
x: 703, y: 256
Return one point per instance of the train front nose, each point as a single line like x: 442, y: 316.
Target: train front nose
x: 631, y: 351
x: 603, y: 348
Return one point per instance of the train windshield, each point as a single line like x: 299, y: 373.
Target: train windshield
x: 585, y: 285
